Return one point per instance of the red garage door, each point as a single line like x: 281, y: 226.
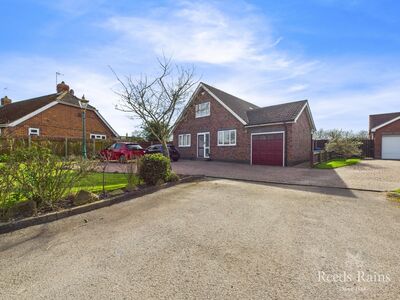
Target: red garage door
x: 267, y: 149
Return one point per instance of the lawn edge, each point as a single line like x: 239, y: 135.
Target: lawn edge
x: 338, y: 167
x: 53, y: 216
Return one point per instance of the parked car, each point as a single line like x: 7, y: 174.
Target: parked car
x: 122, y: 151
x: 158, y: 148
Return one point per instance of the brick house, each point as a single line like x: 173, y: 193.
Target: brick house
x: 54, y: 116
x: 219, y: 126
x: 384, y: 130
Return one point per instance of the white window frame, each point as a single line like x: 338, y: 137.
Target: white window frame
x: 205, y: 148
x: 201, y: 112
x: 223, y: 132
x: 98, y: 136
x: 181, y: 140
x: 34, y: 131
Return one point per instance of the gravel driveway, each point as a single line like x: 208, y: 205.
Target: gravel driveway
x: 213, y: 240
x: 379, y: 175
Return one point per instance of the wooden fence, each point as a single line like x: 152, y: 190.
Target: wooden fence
x: 321, y: 156
x: 64, y: 147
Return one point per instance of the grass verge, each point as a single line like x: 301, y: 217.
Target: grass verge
x: 94, y: 182
x: 338, y: 163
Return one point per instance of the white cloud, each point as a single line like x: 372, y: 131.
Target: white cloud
x: 199, y: 33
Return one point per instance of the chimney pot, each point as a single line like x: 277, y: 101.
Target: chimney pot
x: 5, y: 101
x: 62, y: 87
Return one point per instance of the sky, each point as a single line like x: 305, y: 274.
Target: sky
x: 341, y: 55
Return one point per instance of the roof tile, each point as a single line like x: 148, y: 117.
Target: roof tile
x: 254, y: 115
x: 379, y: 119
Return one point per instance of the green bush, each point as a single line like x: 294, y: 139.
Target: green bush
x: 41, y: 176
x: 154, y: 168
x: 172, y: 177
x: 3, y: 158
x: 8, y: 196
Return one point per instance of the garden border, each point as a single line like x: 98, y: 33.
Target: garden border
x: 57, y: 215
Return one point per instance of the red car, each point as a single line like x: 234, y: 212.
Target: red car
x: 122, y: 151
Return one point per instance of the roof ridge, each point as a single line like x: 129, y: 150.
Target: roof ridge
x: 389, y: 113
x: 30, y: 99
x: 284, y: 103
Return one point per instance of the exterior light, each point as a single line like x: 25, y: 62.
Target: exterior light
x: 83, y: 103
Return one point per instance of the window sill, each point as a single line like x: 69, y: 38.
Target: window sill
x: 233, y: 145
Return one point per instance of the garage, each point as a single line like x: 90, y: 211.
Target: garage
x: 391, y: 147
x: 267, y: 148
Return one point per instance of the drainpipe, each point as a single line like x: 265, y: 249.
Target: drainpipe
x: 286, y: 145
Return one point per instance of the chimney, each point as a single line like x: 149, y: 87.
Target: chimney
x: 62, y: 87
x: 5, y: 101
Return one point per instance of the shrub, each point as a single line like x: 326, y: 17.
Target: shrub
x: 3, y: 158
x: 172, y: 177
x: 343, y: 143
x: 344, y: 147
x: 154, y: 168
x: 8, y: 196
x: 41, y: 176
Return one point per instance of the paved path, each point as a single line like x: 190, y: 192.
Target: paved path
x: 213, y: 240
x: 380, y: 175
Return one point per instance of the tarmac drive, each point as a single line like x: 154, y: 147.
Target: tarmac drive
x: 217, y: 239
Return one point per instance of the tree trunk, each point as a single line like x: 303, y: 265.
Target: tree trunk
x: 165, y: 148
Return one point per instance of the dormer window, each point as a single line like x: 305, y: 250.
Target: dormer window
x: 202, y: 109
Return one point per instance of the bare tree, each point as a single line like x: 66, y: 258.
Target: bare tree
x: 157, y: 101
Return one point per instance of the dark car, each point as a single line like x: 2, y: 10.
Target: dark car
x: 122, y: 151
x: 158, y: 148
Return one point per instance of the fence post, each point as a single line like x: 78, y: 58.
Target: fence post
x: 66, y: 147
x: 94, y: 148
x: 29, y: 141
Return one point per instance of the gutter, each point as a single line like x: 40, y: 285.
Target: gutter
x: 270, y: 124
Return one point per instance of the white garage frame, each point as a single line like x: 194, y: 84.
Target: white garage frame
x: 271, y: 132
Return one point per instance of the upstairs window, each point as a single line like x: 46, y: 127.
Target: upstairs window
x: 184, y: 140
x: 34, y: 131
x: 227, y: 137
x: 202, y: 109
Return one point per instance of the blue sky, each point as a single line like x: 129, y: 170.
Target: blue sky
x: 342, y: 55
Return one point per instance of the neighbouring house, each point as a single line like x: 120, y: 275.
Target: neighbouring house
x: 384, y: 130
x: 219, y: 126
x: 53, y: 116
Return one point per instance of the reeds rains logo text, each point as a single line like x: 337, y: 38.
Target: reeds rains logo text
x: 359, y: 276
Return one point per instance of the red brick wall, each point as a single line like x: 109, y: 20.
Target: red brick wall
x: 219, y: 119
x: 299, y: 140
x: 61, y: 121
x: 391, y: 129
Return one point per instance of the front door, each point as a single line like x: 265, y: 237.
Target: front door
x: 203, y: 145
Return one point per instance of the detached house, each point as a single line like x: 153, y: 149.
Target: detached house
x: 219, y: 126
x: 54, y: 116
x: 384, y: 130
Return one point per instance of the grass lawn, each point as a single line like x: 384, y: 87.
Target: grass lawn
x: 94, y: 182
x: 338, y: 163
